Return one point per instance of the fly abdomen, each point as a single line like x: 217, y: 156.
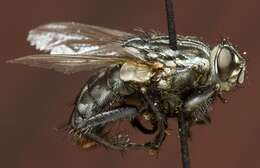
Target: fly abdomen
x: 100, y: 92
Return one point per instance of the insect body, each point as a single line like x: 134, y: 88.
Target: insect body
x: 142, y: 67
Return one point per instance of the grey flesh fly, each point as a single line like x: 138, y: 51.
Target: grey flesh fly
x: 138, y: 76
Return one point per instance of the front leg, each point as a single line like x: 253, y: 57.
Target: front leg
x: 198, y: 104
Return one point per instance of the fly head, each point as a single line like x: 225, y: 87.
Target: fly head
x: 227, y: 66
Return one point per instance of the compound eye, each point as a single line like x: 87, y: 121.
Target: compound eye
x: 225, y: 63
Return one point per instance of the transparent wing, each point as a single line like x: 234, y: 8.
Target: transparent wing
x: 74, y: 38
x: 68, y: 64
x: 75, y: 47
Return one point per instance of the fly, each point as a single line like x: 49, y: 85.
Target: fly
x: 162, y: 80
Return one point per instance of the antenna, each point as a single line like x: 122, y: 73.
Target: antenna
x: 182, y: 123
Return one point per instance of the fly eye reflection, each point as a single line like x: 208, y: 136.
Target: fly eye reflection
x: 226, y: 63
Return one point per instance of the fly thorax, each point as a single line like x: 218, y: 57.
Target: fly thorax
x: 165, y: 76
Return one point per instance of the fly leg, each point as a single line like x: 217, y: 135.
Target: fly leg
x: 161, y: 125
x: 103, y: 118
x: 137, y: 124
x: 158, y: 124
x: 198, y: 104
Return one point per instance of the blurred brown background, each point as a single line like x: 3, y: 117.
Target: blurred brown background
x: 35, y: 101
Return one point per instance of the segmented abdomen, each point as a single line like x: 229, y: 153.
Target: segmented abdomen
x: 99, y: 94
